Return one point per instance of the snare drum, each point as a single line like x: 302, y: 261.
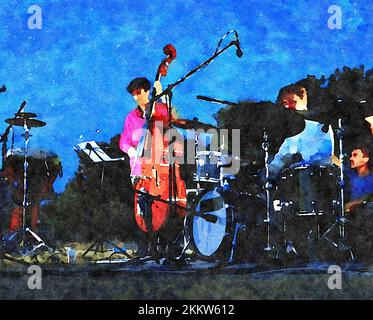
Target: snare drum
x: 210, y: 167
x: 308, y: 189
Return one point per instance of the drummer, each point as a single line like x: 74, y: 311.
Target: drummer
x: 311, y: 146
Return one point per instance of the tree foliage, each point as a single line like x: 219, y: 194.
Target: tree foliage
x: 98, y: 201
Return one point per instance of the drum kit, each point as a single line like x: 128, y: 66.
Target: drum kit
x: 19, y: 164
x: 293, y: 217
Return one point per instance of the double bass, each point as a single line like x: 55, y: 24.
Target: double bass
x: 160, y: 193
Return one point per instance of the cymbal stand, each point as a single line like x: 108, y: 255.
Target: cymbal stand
x: 25, y: 203
x: 26, y: 135
x: 341, y: 219
x: 341, y: 182
x: 268, y: 186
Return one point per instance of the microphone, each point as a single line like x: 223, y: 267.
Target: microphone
x: 239, y: 52
x: 3, y: 89
x: 219, y: 101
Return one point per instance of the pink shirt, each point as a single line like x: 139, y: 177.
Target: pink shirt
x: 132, y: 132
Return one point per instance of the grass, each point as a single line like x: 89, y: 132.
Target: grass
x: 127, y: 286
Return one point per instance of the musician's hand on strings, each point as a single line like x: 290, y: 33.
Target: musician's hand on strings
x: 132, y: 152
x: 158, y: 90
x: 158, y: 87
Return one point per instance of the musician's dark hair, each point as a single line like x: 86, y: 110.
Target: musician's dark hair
x: 367, y: 153
x: 138, y: 84
x: 296, y: 89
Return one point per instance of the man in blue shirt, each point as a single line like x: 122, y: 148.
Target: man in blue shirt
x: 361, y: 178
x: 312, y: 146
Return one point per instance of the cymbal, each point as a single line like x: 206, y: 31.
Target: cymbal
x: 192, y: 124
x: 29, y: 122
x: 251, y: 118
x: 31, y: 153
x: 25, y: 115
x: 254, y: 117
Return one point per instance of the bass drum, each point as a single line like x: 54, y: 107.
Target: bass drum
x: 225, y: 217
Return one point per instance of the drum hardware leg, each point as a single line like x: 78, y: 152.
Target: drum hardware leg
x: 268, y: 187
x: 310, y: 232
x: 288, y: 245
x: 98, y: 247
x: 158, y: 246
x: 290, y: 248
x: 325, y: 234
x: 238, y: 227
x: 318, y: 232
x: 41, y: 244
x: 341, y: 183
x: 186, y: 239
x: 342, y: 246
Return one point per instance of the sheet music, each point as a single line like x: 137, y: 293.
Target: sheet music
x: 92, y: 149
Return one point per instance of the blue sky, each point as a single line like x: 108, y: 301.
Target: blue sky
x: 73, y: 72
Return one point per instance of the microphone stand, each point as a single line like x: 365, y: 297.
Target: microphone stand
x: 168, y: 93
x: 218, y: 101
x: 204, y: 64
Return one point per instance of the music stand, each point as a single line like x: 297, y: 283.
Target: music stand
x: 97, y: 155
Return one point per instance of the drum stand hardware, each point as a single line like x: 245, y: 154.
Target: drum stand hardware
x: 25, y: 120
x: 186, y: 240
x: 238, y: 227
x: 341, y: 220
x: 40, y: 241
x: 268, y: 187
